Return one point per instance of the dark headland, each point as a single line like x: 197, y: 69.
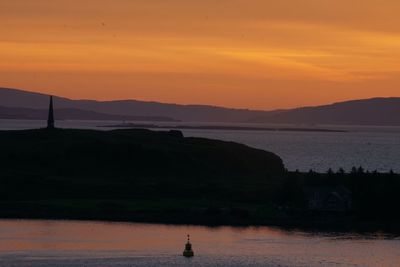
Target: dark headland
x: 152, y: 176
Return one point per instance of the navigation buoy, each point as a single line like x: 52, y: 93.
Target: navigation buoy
x: 188, y: 252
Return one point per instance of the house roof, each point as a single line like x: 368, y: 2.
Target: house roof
x: 323, y: 192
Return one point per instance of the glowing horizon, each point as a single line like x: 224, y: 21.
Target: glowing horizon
x: 243, y: 54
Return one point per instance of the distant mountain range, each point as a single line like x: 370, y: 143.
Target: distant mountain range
x: 19, y: 104
x: 202, y: 113
x: 72, y: 114
x: 374, y: 111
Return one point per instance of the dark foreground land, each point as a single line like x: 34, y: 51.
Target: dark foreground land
x: 147, y: 176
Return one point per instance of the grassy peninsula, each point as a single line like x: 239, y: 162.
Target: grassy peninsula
x: 154, y: 176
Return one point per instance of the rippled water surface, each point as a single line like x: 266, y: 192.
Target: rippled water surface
x: 374, y: 148
x: 74, y: 243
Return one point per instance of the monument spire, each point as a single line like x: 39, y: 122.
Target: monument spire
x: 50, y: 120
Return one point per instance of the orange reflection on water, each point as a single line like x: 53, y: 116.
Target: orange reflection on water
x: 30, y: 236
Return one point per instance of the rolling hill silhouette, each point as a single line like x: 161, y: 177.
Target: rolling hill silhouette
x: 19, y: 98
x: 19, y: 104
x: 72, y: 114
x: 375, y: 111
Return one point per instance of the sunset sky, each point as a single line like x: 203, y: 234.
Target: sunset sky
x: 259, y: 54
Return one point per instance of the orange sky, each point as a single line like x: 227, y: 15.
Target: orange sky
x: 261, y: 54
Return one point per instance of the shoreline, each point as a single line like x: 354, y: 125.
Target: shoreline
x: 144, y: 211
x: 307, y: 226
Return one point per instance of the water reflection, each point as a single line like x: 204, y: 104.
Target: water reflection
x: 60, y: 243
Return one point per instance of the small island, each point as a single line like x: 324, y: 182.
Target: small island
x: 221, y: 128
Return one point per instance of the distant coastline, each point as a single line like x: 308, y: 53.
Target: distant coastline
x: 213, y: 127
x: 16, y: 103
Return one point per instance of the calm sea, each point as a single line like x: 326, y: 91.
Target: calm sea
x: 374, y: 148
x: 44, y: 243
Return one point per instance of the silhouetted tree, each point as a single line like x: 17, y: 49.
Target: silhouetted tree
x: 341, y: 171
